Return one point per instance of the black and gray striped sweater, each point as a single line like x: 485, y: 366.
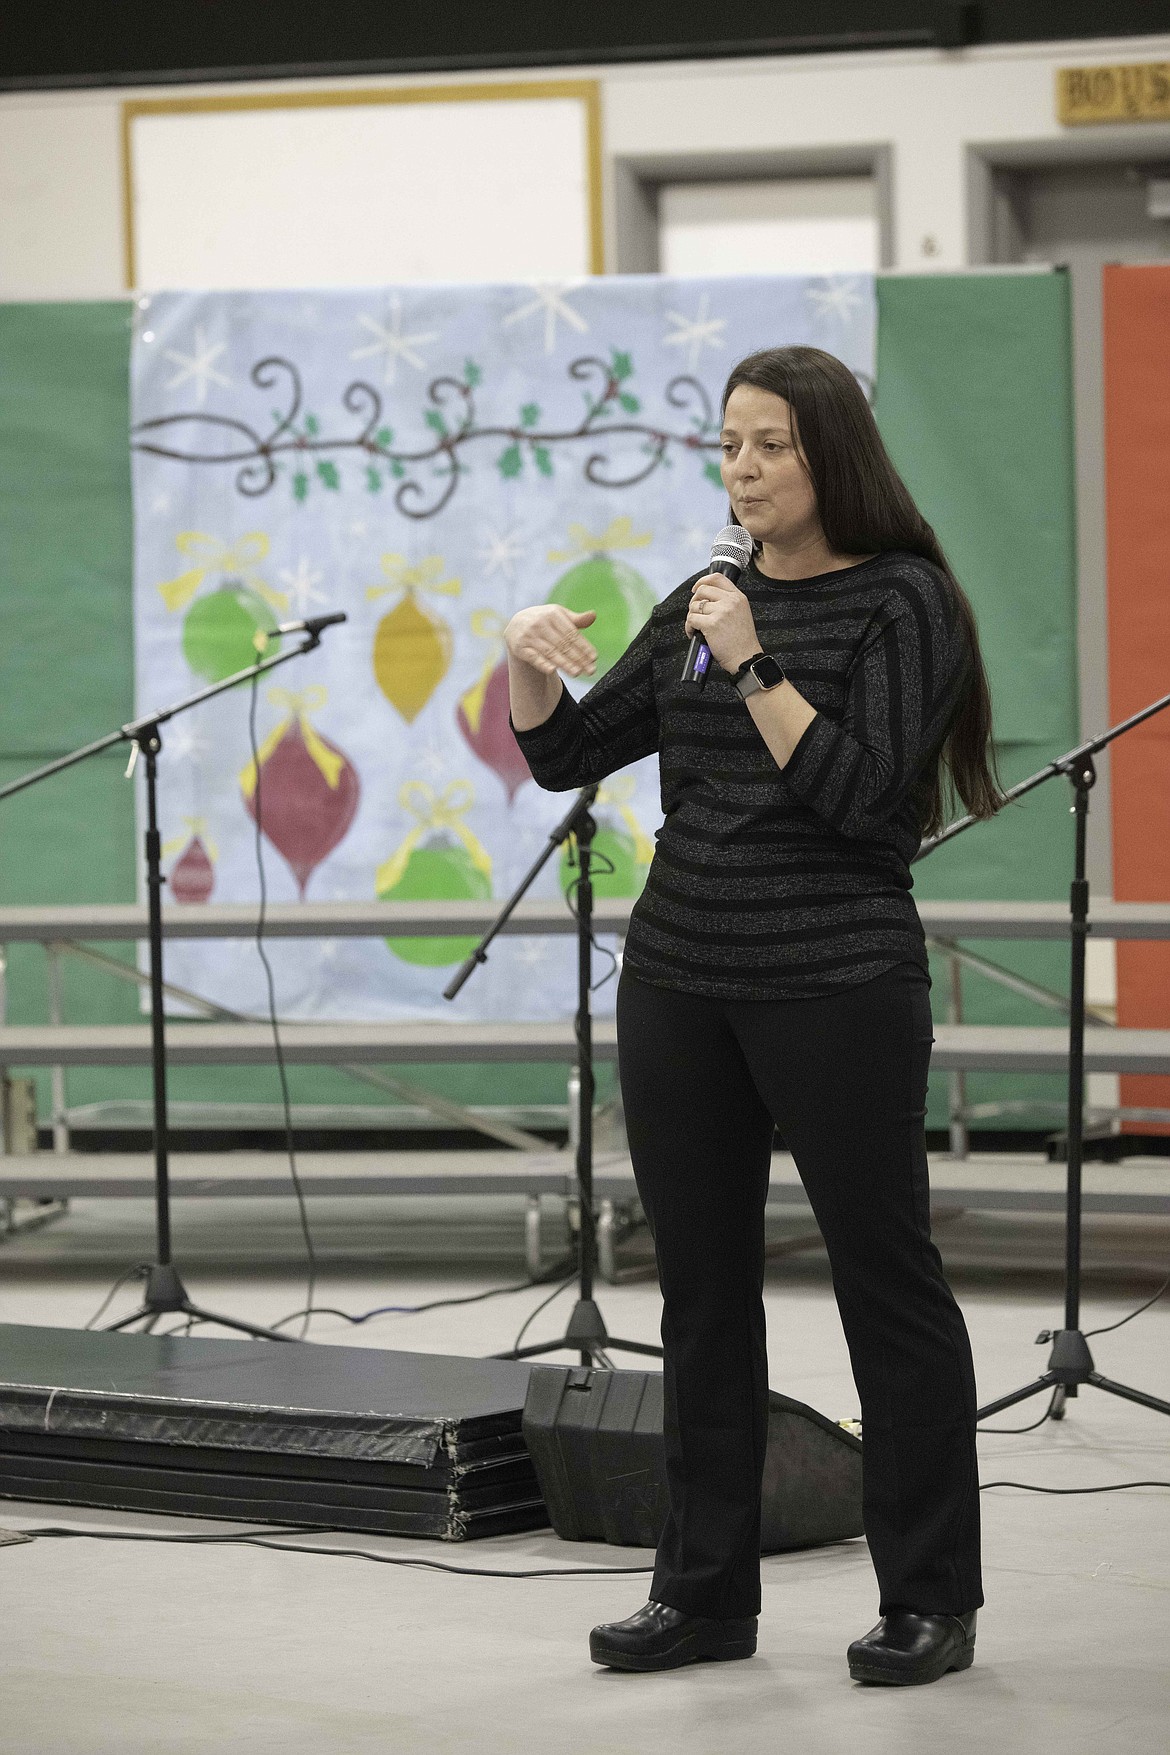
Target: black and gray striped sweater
x: 772, y: 883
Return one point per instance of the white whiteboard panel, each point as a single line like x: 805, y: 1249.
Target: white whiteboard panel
x: 789, y: 225
x: 360, y: 194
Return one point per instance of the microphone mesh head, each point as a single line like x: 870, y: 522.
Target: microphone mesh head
x: 732, y: 544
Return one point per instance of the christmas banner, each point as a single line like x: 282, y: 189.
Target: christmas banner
x: 429, y: 460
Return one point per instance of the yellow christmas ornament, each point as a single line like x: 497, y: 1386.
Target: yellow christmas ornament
x: 412, y: 647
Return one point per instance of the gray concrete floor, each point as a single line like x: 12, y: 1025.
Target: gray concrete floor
x: 191, y: 1651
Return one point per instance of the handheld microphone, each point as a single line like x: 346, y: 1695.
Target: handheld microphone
x: 312, y: 624
x: 730, y: 553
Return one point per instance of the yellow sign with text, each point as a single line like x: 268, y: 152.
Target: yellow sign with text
x: 1137, y: 93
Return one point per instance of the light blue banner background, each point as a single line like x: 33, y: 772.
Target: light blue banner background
x: 301, y: 452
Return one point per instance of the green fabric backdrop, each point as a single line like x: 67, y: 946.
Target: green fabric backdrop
x: 974, y: 401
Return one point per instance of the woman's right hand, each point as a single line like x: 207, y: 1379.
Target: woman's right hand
x: 548, y: 637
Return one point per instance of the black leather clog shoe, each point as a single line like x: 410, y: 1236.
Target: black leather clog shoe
x: 662, y: 1638
x: 905, y: 1648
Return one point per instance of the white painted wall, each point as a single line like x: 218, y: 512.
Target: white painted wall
x: 61, y: 186
x: 769, y: 225
x: 363, y: 195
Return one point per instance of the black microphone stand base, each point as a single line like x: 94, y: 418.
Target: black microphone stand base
x: 166, y: 1295
x: 1071, y: 1364
x: 587, y: 1333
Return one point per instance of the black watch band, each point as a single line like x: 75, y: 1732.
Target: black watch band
x: 743, y: 667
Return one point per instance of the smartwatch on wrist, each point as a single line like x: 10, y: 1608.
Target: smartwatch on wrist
x: 760, y: 672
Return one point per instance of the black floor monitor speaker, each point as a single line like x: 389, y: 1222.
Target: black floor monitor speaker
x: 595, y: 1439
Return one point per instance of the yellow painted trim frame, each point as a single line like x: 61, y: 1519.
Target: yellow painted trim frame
x: 586, y: 91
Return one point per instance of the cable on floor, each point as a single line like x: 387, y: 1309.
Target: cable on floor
x: 543, y: 1305
x: 254, y: 1539
x: 138, y: 1271
x: 268, y: 1540
x: 1109, y: 1487
x: 356, y: 1320
x: 1009, y: 1431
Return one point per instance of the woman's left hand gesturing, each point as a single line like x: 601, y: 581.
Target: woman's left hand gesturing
x: 721, y: 613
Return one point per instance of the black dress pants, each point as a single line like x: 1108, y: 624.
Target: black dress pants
x: 843, y: 1077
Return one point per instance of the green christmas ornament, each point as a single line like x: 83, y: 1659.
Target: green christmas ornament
x: 219, y: 632
x: 440, y: 871
x: 620, y: 596
x: 610, y: 847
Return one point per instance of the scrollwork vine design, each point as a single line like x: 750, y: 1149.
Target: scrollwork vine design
x: 427, y: 476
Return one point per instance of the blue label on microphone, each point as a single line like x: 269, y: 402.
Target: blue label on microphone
x: 702, y: 660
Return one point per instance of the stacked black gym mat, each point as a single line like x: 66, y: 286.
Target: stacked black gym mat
x: 344, y: 1437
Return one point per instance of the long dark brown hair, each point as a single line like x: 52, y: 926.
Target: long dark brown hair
x: 866, y: 508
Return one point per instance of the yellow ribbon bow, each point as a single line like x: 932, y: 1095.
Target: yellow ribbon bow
x: 433, y: 810
x: 425, y: 576
x: 213, y: 556
x: 583, y: 543
x: 618, y: 793
x: 297, y: 706
x: 487, y: 624
x: 197, y: 826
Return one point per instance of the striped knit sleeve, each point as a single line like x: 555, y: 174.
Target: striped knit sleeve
x: 904, y: 684
x: 615, y: 724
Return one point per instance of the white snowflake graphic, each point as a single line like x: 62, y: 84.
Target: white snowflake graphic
x: 392, y: 344
x: 550, y: 299
x: 431, y: 759
x: 300, y: 583
x: 358, y: 530
x: 697, y: 332
x: 694, y: 542
x: 198, y: 366
x: 836, y: 296
x: 500, y: 552
x: 532, y: 951
x: 184, y: 744
x: 160, y: 504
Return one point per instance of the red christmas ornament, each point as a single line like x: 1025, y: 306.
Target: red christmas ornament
x: 308, y: 794
x: 482, y: 717
x: 192, y: 875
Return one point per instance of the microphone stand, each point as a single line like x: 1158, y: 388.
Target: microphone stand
x: 1070, y: 1363
x: 586, y: 1328
x: 165, y: 1293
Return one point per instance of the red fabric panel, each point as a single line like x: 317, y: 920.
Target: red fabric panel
x: 1137, y: 485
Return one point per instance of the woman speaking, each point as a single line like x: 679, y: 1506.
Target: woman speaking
x: 775, y: 976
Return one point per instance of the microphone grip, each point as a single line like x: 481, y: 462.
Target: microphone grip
x: 697, y: 661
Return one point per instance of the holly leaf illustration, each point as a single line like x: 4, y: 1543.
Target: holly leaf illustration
x: 623, y: 366
x: 529, y: 414
x: 312, y: 425
x: 543, y: 458
x: 629, y: 403
x: 436, y: 422
x: 711, y: 471
x: 397, y: 470
x: 510, y: 462
x: 373, y: 479
x: 328, y: 473
x: 300, y: 485
x: 472, y: 374
x: 384, y: 436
